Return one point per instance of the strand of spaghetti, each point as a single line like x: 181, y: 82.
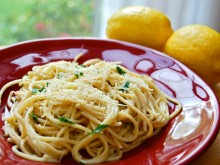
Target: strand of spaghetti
x: 21, y: 108
x: 32, y: 157
x: 92, y: 61
x: 58, y: 140
x: 115, y: 156
x: 7, y: 86
x: 84, y: 142
x: 53, y: 120
x: 23, y: 146
x: 62, y: 130
x: 11, y: 99
x: 77, y: 57
x: 178, y: 106
x: 38, y: 145
x: 134, y: 132
x: 150, y: 127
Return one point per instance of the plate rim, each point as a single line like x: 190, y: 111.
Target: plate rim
x: 207, y: 142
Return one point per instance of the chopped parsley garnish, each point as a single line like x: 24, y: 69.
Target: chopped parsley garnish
x: 127, y: 84
x: 77, y: 74
x: 42, y: 89
x: 34, y: 90
x: 82, y: 65
x: 34, y: 116
x: 99, y: 128
x: 63, y: 119
x: 120, y: 70
x: 58, y: 76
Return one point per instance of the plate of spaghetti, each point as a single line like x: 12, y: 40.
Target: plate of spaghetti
x: 94, y: 101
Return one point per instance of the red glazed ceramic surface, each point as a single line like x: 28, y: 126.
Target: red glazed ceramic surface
x: 183, y: 139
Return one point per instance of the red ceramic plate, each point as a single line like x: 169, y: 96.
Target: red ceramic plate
x: 182, y: 140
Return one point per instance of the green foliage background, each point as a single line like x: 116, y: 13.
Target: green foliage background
x: 22, y: 20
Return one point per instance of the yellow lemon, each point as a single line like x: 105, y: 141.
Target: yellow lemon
x: 198, y: 47
x: 140, y: 25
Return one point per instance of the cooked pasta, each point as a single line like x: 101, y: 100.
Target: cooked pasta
x: 95, y: 111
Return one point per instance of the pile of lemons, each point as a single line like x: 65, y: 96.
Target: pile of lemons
x: 197, y: 46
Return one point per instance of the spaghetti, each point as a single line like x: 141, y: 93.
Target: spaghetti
x: 96, y: 111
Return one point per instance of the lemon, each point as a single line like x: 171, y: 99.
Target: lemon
x: 198, y: 47
x: 140, y: 25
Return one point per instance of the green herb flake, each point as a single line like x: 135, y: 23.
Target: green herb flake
x: 34, y: 116
x: 120, y: 70
x: 82, y: 65
x: 59, y: 76
x: 77, y: 74
x: 99, y: 128
x: 63, y: 119
x: 42, y: 89
x: 34, y: 90
x: 126, y: 85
